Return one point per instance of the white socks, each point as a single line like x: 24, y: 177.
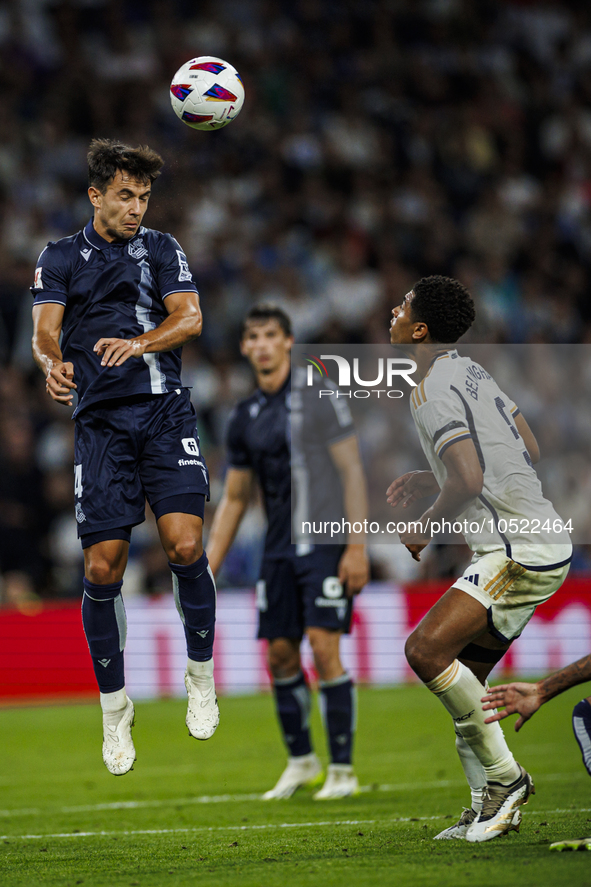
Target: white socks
x: 460, y: 691
x: 474, y: 772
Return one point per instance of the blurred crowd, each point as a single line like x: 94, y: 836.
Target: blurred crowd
x: 381, y: 140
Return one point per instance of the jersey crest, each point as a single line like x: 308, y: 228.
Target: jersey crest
x: 136, y: 249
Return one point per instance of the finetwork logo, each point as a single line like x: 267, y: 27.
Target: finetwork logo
x: 388, y: 371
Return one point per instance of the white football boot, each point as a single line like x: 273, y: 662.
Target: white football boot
x: 340, y: 782
x: 459, y: 829
x: 118, y: 748
x: 203, y: 714
x: 500, y: 808
x: 303, y: 770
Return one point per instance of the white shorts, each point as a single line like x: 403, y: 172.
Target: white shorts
x: 509, y: 592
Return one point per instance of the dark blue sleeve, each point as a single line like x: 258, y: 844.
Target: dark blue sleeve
x: 172, y: 269
x: 238, y: 455
x: 52, y: 276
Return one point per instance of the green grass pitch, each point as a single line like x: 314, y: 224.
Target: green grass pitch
x: 189, y: 814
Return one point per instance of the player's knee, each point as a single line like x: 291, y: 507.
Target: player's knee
x: 417, y: 653
x: 185, y: 551
x: 283, y: 659
x: 100, y: 571
x: 325, y: 650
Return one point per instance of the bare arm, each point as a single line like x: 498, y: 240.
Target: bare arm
x: 525, y: 699
x: 411, y: 486
x: 529, y: 439
x: 228, y: 515
x: 354, y: 564
x: 184, y: 322
x: 462, y: 485
x: 47, y: 327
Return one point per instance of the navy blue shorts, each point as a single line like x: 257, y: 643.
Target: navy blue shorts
x: 296, y: 593
x: 132, y: 449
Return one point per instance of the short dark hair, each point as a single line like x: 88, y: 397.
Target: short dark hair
x: 106, y: 156
x: 445, y: 305
x: 264, y: 312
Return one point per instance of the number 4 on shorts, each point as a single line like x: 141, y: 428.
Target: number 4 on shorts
x: 78, y: 481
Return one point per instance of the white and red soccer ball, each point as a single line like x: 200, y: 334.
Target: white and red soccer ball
x: 206, y: 93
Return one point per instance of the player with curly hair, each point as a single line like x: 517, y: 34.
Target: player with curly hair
x: 481, y: 451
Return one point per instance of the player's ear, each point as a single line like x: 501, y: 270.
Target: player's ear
x: 420, y: 332
x: 94, y: 195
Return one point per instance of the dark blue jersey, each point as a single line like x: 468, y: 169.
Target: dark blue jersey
x: 113, y: 290
x: 259, y: 437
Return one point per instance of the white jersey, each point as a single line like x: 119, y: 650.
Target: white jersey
x: 458, y: 400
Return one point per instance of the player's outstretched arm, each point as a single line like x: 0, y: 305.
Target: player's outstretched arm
x: 59, y: 376
x: 353, y: 570
x: 184, y: 322
x: 525, y: 699
x: 228, y: 515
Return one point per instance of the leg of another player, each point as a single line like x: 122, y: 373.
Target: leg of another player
x: 292, y: 703
x: 433, y: 651
x: 105, y: 626
x: 338, y: 702
x: 582, y: 730
x: 195, y: 596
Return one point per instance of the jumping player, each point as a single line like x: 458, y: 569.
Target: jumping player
x: 303, y: 588
x: 122, y: 298
x: 481, y: 451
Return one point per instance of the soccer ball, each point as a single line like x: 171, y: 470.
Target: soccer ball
x: 206, y: 93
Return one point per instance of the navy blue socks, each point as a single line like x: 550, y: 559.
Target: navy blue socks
x: 292, y: 700
x: 339, y: 710
x: 105, y: 626
x: 194, y: 594
x: 582, y: 728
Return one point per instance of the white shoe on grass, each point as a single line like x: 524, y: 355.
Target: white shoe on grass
x: 203, y: 714
x: 500, y: 808
x: 459, y: 829
x: 118, y: 748
x: 340, y: 782
x: 303, y: 770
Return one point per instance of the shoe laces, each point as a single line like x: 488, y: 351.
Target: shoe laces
x: 468, y: 816
x: 493, y: 797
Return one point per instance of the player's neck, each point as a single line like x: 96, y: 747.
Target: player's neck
x: 424, y: 355
x: 271, y: 383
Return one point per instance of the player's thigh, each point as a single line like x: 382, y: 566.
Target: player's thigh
x: 171, y: 461
x: 107, y: 487
x: 278, y: 601
x: 326, y: 605
x: 454, y: 621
